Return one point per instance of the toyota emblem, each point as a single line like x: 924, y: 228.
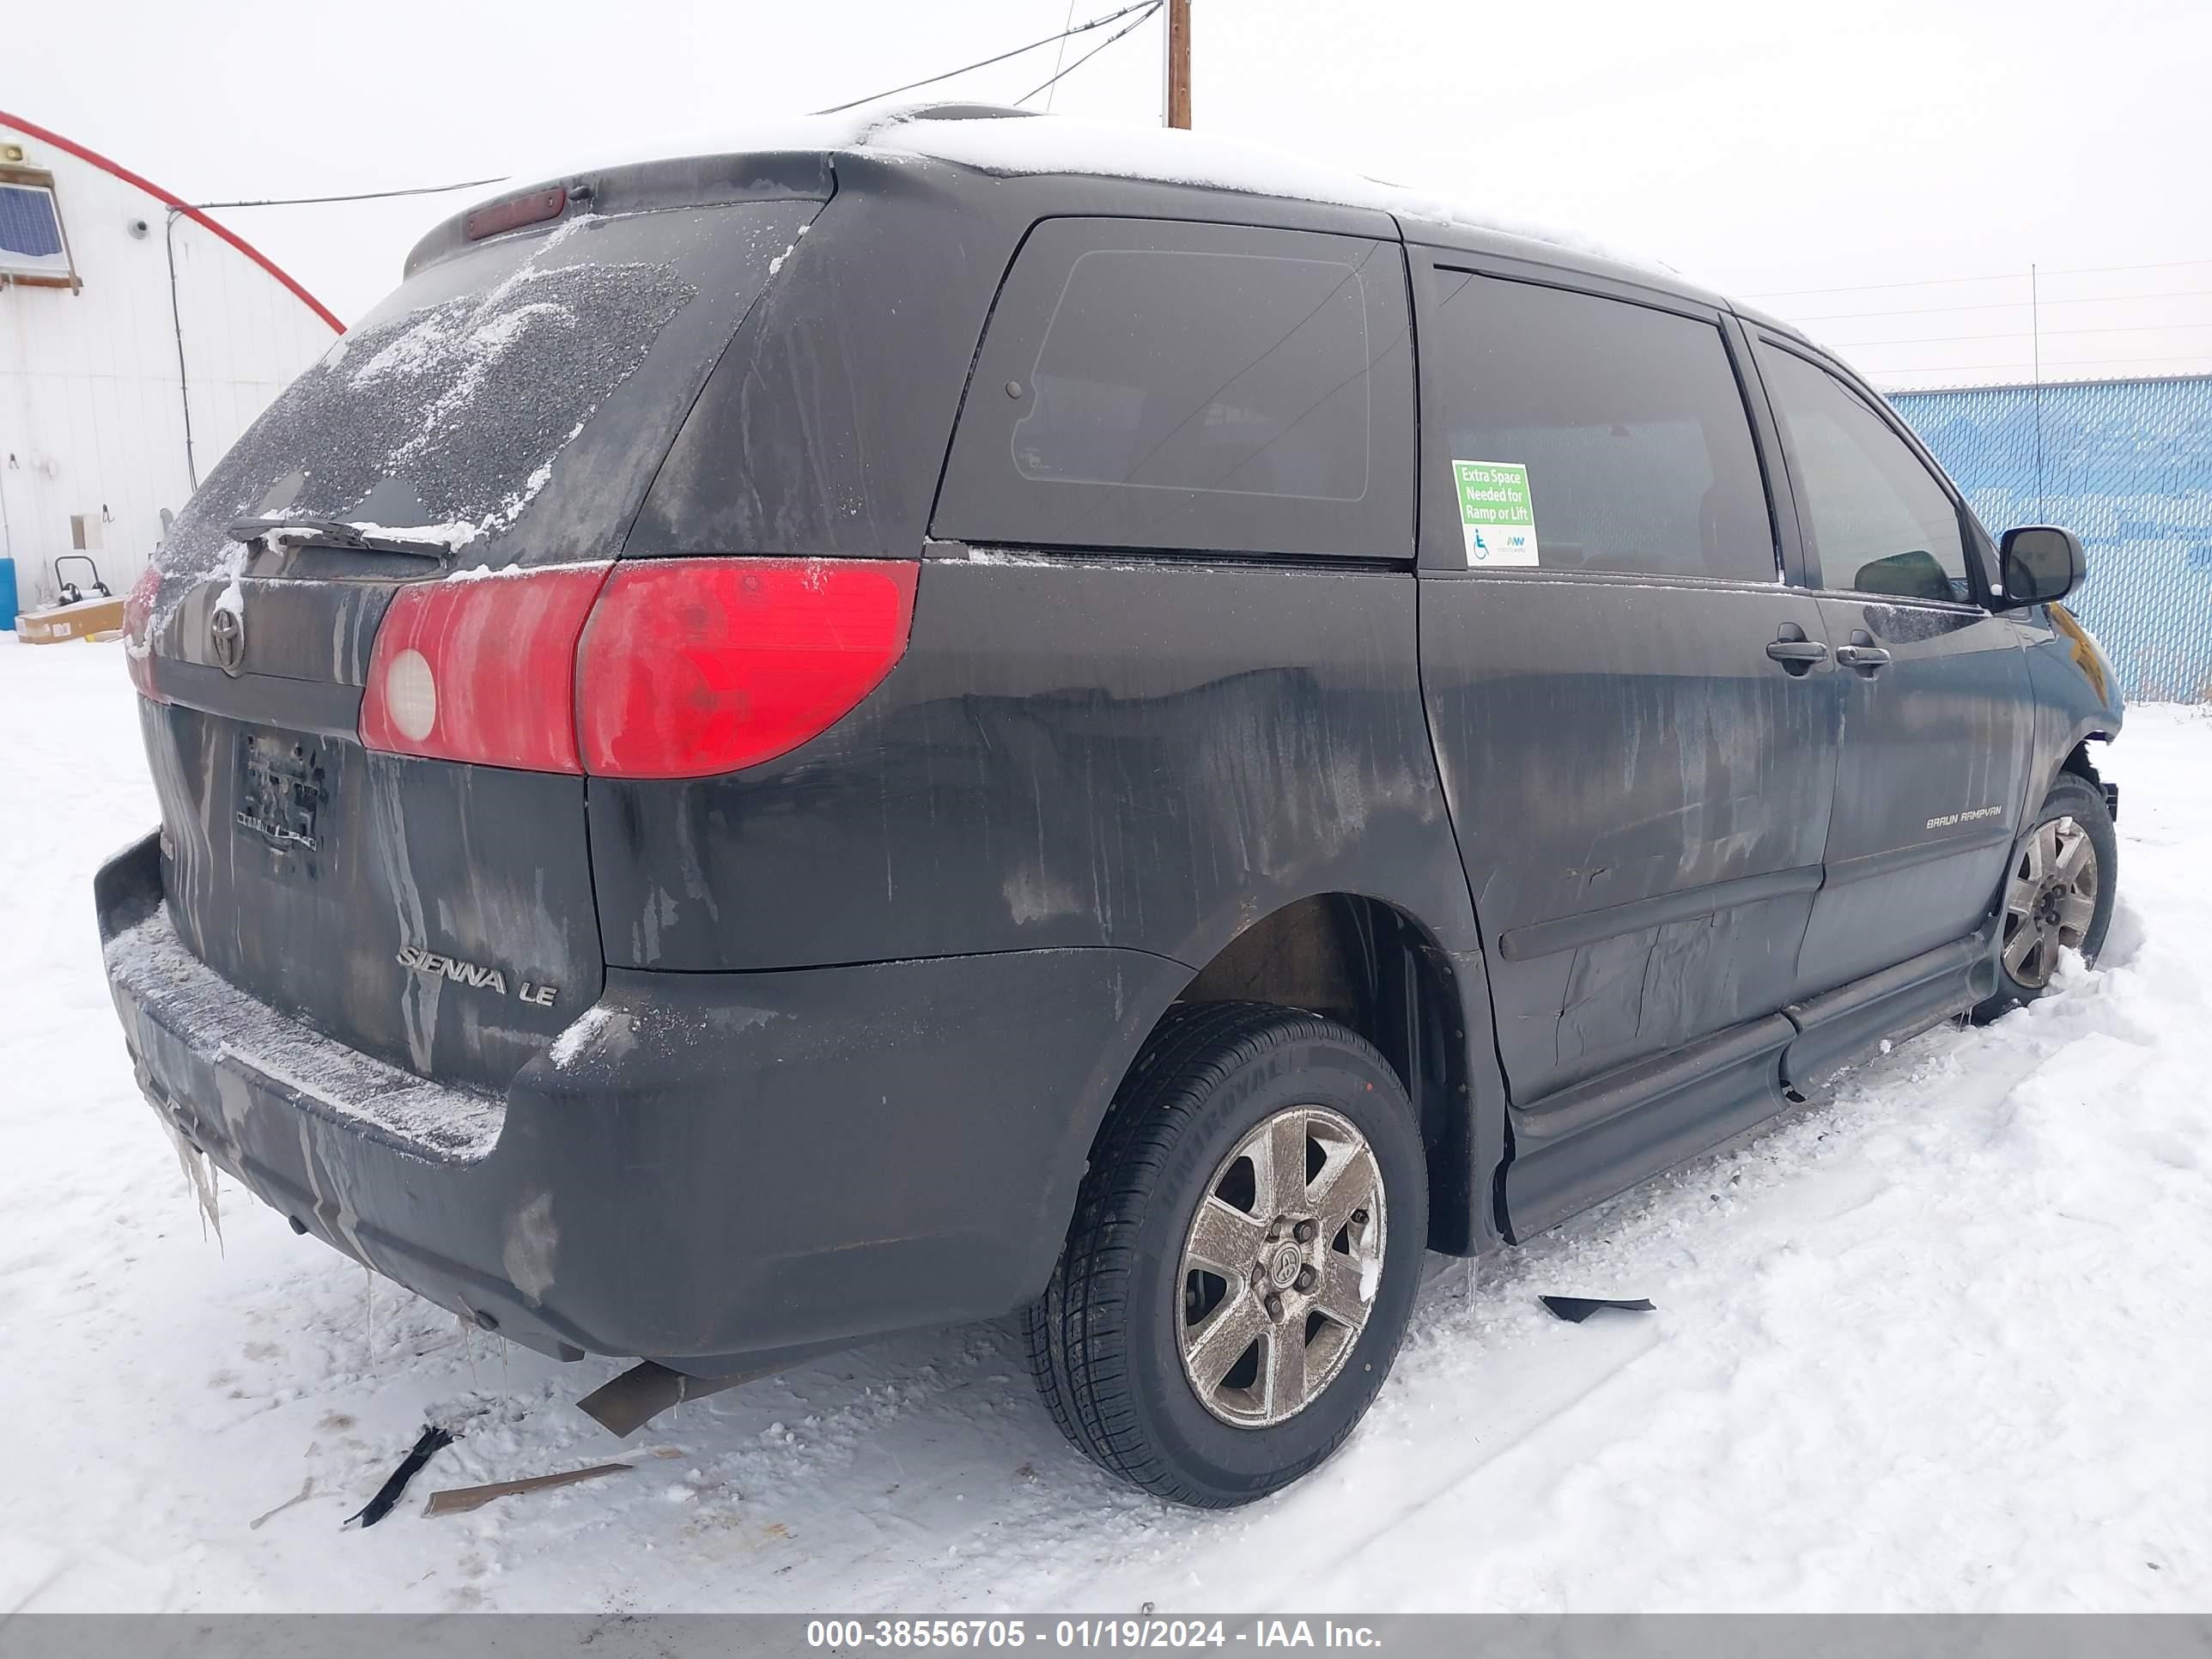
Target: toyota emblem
x: 227, y: 638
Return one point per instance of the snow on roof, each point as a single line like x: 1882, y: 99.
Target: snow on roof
x: 1012, y: 142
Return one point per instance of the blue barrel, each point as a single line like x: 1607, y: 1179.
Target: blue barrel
x: 7, y: 594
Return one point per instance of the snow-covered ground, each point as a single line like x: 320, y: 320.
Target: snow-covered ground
x: 1940, y: 1344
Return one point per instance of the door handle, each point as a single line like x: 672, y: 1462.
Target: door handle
x: 1862, y: 653
x: 1797, y: 655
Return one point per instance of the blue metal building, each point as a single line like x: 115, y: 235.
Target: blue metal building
x: 2127, y: 465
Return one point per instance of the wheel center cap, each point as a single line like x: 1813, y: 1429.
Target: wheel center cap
x: 1283, y: 1264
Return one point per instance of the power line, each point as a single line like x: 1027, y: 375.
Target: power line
x: 2076, y: 363
x: 985, y: 63
x: 362, y: 195
x: 2016, y: 334
x: 2004, y: 304
x: 1939, y: 282
x: 1143, y: 8
x: 1151, y: 7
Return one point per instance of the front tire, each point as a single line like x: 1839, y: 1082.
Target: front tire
x: 1245, y: 1252
x: 2058, y: 896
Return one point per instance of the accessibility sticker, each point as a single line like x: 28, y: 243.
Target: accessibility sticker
x: 1495, y: 513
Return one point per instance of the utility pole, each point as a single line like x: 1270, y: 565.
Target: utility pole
x: 2035, y: 333
x: 1178, y: 63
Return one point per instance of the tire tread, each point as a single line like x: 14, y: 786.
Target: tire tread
x: 1077, y: 1330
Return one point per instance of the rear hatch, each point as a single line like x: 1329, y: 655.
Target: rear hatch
x: 502, y: 413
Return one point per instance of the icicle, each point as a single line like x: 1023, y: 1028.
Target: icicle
x: 200, y: 1176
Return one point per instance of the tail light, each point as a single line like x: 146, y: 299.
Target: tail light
x: 695, y: 666
x: 483, y: 670
x: 667, y: 668
x: 137, y: 629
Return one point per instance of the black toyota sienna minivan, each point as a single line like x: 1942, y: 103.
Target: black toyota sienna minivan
x: 788, y: 745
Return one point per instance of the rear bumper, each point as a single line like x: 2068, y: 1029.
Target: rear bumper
x: 719, y: 1168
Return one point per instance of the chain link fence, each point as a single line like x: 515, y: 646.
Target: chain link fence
x: 2127, y: 465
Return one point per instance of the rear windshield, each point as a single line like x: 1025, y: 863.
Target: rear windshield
x: 511, y: 402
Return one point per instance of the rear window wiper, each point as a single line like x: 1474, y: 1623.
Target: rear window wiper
x: 330, y: 532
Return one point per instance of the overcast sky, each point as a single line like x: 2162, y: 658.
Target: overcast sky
x: 1764, y: 149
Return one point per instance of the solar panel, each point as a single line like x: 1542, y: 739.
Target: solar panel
x: 31, y: 233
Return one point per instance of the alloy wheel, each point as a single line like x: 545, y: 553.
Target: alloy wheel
x: 2049, y: 901
x: 1280, y: 1265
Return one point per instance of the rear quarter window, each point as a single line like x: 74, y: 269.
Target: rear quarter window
x: 1178, y: 386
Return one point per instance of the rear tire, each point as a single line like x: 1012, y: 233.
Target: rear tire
x: 2058, y: 896
x: 1243, y: 1130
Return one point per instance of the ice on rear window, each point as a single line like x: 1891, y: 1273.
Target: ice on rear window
x: 440, y: 422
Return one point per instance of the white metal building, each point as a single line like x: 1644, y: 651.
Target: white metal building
x: 138, y: 338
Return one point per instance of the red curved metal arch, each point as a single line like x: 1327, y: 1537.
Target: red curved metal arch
x: 46, y: 136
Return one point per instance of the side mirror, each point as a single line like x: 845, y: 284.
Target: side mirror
x: 1914, y: 576
x: 2041, y: 563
